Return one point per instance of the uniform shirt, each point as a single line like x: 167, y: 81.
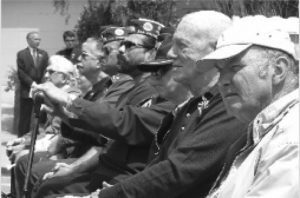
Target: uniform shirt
x: 131, y: 124
x: 189, y: 154
x: 268, y: 166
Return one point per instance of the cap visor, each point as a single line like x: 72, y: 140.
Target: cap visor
x: 223, y: 53
x: 226, y: 52
x: 154, y: 65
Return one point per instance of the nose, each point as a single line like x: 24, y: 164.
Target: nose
x: 171, y: 54
x: 122, y: 49
x: 225, y: 79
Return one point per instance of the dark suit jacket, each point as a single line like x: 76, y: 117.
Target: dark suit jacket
x: 191, y: 154
x: 28, y: 72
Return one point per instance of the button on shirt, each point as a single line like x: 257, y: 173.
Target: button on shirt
x: 268, y: 166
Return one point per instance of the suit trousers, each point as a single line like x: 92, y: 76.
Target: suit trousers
x: 26, y: 106
x: 75, y: 184
x: 41, y: 165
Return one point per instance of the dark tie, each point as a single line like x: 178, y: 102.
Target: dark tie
x: 35, y: 57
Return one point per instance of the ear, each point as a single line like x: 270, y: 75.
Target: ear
x: 280, y: 70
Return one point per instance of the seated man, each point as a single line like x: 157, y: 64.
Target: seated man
x: 189, y: 147
x: 259, y: 84
x: 131, y: 125
x: 90, y: 67
x: 61, y: 73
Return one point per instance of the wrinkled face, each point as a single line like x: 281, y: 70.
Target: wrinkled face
x: 54, y: 75
x: 90, y: 59
x: 133, y: 51
x: 111, y: 50
x: 164, y: 83
x: 34, y: 40
x: 185, y: 50
x: 245, y: 84
x: 70, y: 42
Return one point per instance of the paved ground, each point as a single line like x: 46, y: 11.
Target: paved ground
x: 7, y: 101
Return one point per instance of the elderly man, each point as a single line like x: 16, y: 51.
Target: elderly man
x: 131, y: 125
x: 259, y: 84
x: 90, y: 67
x: 61, y: 73
x: 63, y: 173
x: 190, y: 145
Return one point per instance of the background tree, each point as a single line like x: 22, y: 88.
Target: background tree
x: 99, y: 13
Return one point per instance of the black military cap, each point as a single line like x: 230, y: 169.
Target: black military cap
x: 147, y: 27
x: 161, y: 60
x: 115, y: 33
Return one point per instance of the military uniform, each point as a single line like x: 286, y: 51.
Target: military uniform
x: 188, y: 153
x: 131, y: 126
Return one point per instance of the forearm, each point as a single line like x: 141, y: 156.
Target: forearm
x: 135, y: 125
x: 88, y: 161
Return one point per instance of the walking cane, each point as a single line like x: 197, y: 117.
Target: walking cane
x: 38, y: 100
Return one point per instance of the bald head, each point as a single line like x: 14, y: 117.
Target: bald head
x: 203, y: 25
x: 195, y: 37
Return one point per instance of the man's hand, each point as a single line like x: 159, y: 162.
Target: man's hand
x: 13, y: 147
x: 52, y: 93
x: 60, y: 169
x: 92, y: 195
x: 106, y: 185
x: 33, y: 85
x: 73, y: 196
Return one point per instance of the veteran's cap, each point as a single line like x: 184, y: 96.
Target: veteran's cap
x: 114, y: 33
x: 147, y: 27
x: 161, y: 59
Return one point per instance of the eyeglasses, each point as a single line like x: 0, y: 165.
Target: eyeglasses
x: 84, y: 55
x: 51, y: 71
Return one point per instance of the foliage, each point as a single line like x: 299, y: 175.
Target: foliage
x: 12, y: 79
x: 99, y: 13
x: 283, y: 8
x: 62, y: 6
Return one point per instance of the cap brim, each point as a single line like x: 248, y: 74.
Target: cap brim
x: 155, y: 65
x: 226, y: 52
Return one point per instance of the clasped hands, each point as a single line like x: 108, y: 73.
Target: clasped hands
x: 53, y: 94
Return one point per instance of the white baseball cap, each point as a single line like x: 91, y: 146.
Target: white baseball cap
x: 249, y: 31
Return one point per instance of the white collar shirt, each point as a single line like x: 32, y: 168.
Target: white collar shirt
x: 268, y: 166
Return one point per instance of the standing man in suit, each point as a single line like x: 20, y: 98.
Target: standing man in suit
x: 31, y: 63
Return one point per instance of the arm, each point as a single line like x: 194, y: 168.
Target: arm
x: 22, y: 73
x: 86, y: 162
x: 192, y: 165
x: 135, y: 125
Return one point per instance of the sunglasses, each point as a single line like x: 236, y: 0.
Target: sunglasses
x: 161, y: 71
x: 132, y: 45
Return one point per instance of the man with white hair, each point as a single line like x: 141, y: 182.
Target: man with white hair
x: 259, y: 84
x: 190, y: 145
x: 61, y: 72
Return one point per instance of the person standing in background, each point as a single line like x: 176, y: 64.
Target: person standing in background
x: 31, y: 65
x: 70, y: 51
